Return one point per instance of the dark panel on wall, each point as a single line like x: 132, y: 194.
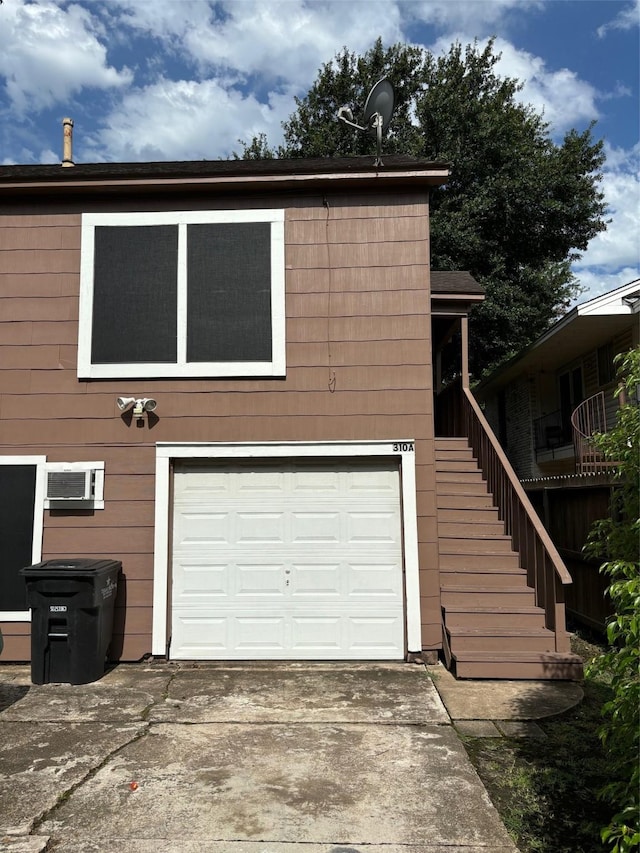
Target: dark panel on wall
x: 17, y: 495
x: 229, y: 292
x: 135, y: 294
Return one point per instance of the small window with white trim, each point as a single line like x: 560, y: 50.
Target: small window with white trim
x: 182, y: 293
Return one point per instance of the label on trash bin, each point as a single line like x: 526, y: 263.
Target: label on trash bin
x: 108, y: 590
x: 57, y: 608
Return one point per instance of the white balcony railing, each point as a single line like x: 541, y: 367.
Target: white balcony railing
x: 589, y: 418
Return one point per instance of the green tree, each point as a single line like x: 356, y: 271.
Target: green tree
x: 517, y: 209
x: 617, y: 540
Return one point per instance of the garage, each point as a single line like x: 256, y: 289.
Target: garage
x: 287, y: 560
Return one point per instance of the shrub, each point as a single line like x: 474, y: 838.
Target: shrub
x: 616, y: 540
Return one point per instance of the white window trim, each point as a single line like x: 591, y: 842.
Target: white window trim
x: 182, y: 368
x: 166, y: 452
x: 98, y: 498
x: 38, y: 523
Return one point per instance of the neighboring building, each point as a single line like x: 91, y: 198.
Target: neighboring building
x: 236, y: 361
x: 544, y: 405
x: 530, y: 401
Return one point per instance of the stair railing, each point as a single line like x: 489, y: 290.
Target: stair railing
x: 546, y: 572
x: 588, y: 418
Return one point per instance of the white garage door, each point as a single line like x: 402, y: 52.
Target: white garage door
x: 287, y: 562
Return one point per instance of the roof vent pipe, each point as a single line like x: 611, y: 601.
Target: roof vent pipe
x: 67, y: 142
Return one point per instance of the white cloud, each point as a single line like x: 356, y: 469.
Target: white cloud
x: 595, y: 282
x: 271, y: 38
x: 613, y: 256
x: 48, y: 53
x: 626, y: 19
x: 561, y: 95
x: 182, y: 120
x: 166, y: 20
x: 476, y: 16
x: 27, y: 156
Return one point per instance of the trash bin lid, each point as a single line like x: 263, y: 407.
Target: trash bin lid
x: 71, y: 566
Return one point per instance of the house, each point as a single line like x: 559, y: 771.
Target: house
x: 240, y: 362
x: 545, y: 401
x: 544, y: 405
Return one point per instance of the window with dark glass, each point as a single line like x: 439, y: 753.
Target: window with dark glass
x: 571, y: 395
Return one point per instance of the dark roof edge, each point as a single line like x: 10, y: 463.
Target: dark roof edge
x: 454, y: 282
x: 273, y: 169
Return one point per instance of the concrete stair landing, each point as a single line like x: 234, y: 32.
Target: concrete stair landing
x: 492, y: 627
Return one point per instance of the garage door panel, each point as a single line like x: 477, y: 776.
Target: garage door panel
x: 260, y: 635
x: 316, y: 580
x: 200, y: 635
x: 202, y: 489
x: 260, y: 527
x: 194, y: 581
x: 263, y: 481
x: 368, y: 527
x: 372, y: 636
x: 318, y: 634
x: 201, y: 528
x: 369, y: 580
x: 260, y: 580
x: 313, y: 483
x: 315, y: 527
x: 374, y: 482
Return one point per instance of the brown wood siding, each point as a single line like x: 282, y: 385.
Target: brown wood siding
x: 358, y: 367
x: 590, y: 374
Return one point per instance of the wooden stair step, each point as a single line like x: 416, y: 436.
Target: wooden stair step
x: 483, y: 579
x: 495, y: 545
x: 475, y: 500
x: 462, y: 455
x: 484, y: 596
x: 519, y: 665
x: 495, y: 617
x: 470, y: 515
x: 471, y: 529
x: 458, y: 477
x: 450, y: 442
x: 490, y: 640
x: 463, y: 465
x: 488, y: 562
x: 455, y: 487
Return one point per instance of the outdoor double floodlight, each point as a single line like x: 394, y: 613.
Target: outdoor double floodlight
x: 141, y: 405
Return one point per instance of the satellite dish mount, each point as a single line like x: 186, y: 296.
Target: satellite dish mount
x: 378, y: 110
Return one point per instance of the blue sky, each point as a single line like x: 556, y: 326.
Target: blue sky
x: 187, y: 79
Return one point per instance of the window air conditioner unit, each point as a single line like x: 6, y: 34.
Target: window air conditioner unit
x: 72, y: 485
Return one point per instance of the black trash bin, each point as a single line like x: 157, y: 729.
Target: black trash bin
x: 71, y: 605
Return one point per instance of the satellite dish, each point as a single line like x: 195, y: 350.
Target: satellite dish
x: 378, y: 110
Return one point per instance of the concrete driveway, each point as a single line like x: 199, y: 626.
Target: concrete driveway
x: 279, y: 758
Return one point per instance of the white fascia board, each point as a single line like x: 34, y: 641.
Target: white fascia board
x: 610, y: 303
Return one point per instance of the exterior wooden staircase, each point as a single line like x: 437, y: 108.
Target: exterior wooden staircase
x: 492, y: 625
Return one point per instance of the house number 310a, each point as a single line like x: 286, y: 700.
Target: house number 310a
x: 404, y: 446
